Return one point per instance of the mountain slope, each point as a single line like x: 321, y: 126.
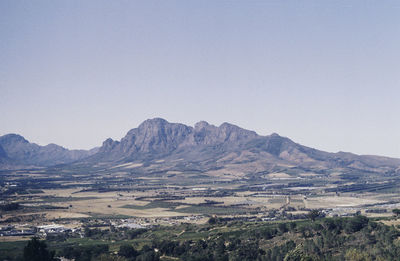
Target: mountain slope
x: 15, y: 150
x: 158, y: 146
x: 226, y: 148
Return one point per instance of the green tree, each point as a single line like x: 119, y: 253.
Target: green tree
x: 356, y: 255
x: 282, y: 227
x: 396, y: 211
x: 314, y: 214
x: 297, y: 254
x: 127, y: 251
x: 212, y: 220
x: 106, y: 257
x: 356, y: 224
x: 36, y: 250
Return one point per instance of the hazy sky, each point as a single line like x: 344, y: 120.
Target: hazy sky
x: 324, y: 73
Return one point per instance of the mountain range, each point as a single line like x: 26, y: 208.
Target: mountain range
x: 158, y: 145
x: 16, y: 151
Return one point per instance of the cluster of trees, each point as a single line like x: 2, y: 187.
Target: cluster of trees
x: 193, y: 250
x: 36, y: 250
x: 396, y: 212
x: 145, y: 254
x: 113, y: 233
x: 9, y: 206
x: 321, y: 239
x: 355, y: 238
x: 84, y: 253
x: 101, y: 252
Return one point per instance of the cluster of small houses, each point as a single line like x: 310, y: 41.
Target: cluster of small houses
x: 349, y: 211
x: 56, y: 229
x: 44, y: 230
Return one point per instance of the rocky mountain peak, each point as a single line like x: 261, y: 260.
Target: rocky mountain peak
x: 108, y: 145
x: 201, y: 125
x: 12, y: 139
x: 152, y: 136
x: 152, y: 123
x: 235, y: 133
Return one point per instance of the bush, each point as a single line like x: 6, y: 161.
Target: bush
x: 127, y: 251
x: 356, y: 224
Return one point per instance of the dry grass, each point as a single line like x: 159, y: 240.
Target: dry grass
x: 269, y: 202
x: 387, y: 214
x: 108, y: 203
x: 59, y: 192
x: 133, y: 165
x: 394, y: 222
x: 16, y: 238
x: 110, y: 206
x: 64, y: 215
x: 342, y: 201
x: 308, y: 174
x: 174, y: 172
x: 279, y: 176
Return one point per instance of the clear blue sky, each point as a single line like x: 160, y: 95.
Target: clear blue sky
x: 324, y: 73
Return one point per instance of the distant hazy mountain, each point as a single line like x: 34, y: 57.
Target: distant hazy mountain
x: 16, y: 151
x: 227, y: 147
x: 158, y: 145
